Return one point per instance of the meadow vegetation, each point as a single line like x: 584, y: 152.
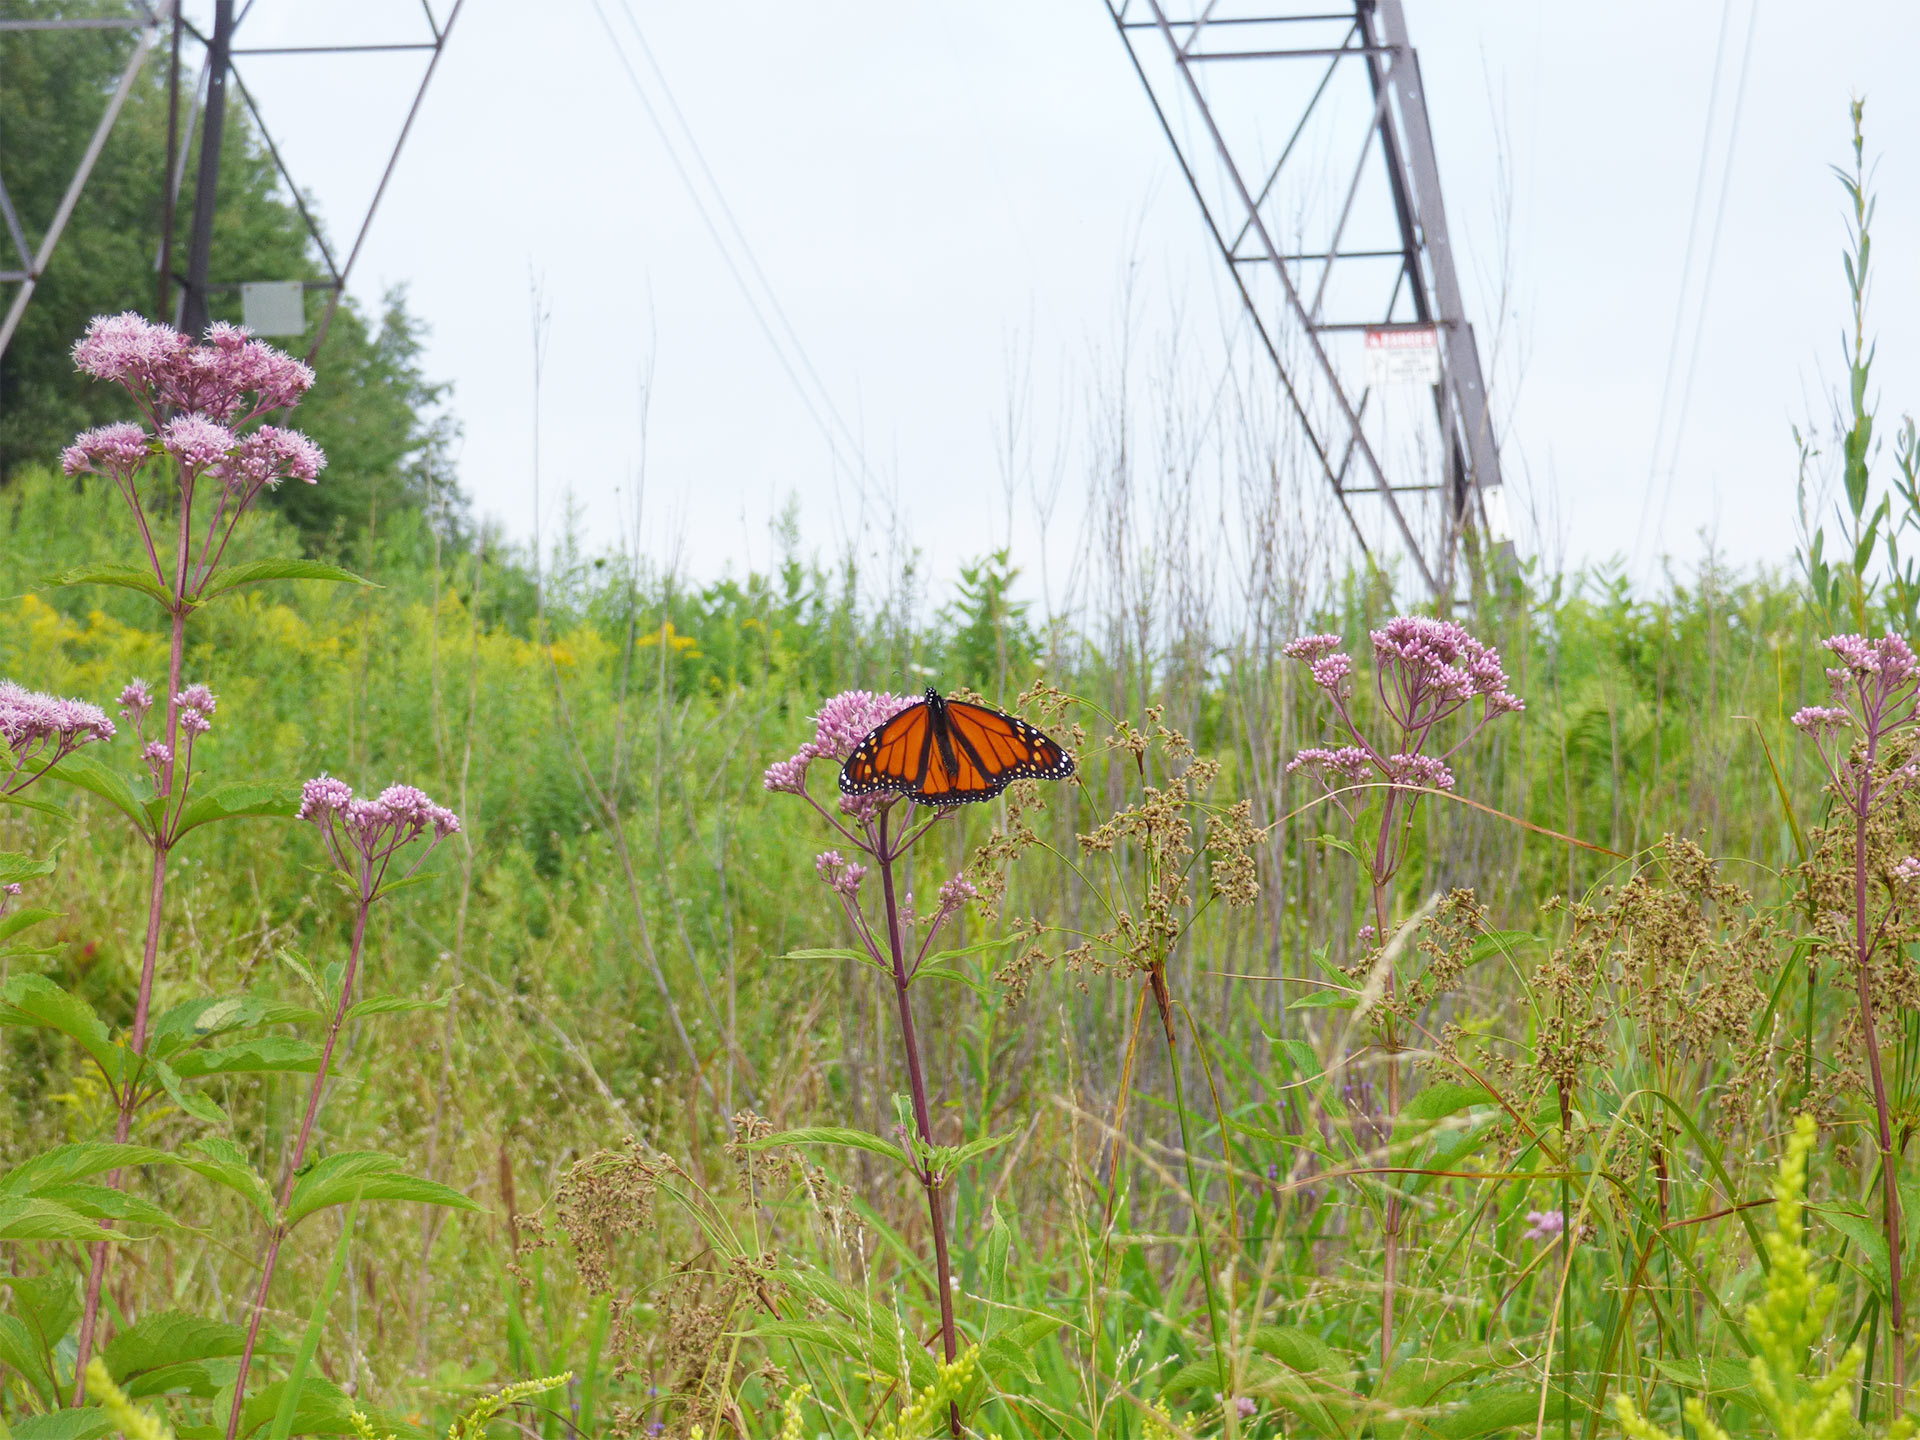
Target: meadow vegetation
x: 1398, y: 1026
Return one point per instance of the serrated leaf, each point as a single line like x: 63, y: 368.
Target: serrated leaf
x: 1325, y: 1000
x: 192, y: 1102
x: 252, y: 572
x: 36, y: 804
x: 1002, y: 1359
x: 12, y: 925
x: 265, y: 1054
x: 1440, y: 1100
x: 36, y: 1000
x: 1493, y: 1409
x: 20, y: 1354
x: 238, y: 799
x: 167, y: 1350
x: 366, y: 1175
x: 84, y: 772
x: 1299, y: 1349
x: 225, y: 1163
x: 85, y: 1423
x: 1868, y: 1238
x: 15, y: 868
x: 123, y: 577
x: 65, y: 1164
x: 393, y: 1005
x: 99, y: 1202
x: 208, y: 1016
x: 323, y: 1409
x: 833, y: 1135
x: 26, y: 1218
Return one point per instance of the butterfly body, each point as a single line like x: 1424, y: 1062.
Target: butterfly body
x: 949, y: 752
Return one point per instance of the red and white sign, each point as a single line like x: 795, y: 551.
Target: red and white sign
x: 1403, y: 355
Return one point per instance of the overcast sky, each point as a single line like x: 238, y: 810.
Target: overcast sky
x: 940, y: 197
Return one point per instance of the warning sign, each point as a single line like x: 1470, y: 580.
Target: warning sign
x: 1403, y: 355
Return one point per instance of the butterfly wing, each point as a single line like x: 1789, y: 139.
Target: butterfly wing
x: 893, y: 756
x: 991, y: 750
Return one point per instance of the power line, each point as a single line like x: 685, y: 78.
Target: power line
x: 818, y: 400
x: 1662, y: 442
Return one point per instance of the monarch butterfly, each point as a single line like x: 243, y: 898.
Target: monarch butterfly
x: 947, y: 752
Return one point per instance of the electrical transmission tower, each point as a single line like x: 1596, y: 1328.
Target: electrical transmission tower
x: 1302, y: 131
x: 183, y: 295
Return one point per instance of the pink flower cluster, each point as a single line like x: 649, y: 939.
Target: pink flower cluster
x: 230, y: 379
x: 1875, y: 689
x: 1429, y: 667
x: 1907, y: 870
x: 41, y: 730
x: 1545, y: 1225
x: 370, y: 831
x: 841, y: 877
x: 843, y: 722
x: 209, y: 391
x: 197, y: 704
x: 1349, y: 762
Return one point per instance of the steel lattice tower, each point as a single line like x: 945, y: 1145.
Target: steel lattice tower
x: 1267, y: 106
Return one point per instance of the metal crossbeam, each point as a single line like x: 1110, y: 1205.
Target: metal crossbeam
x: 1332, y: 82
x: 145, y: 22
x: 205, y: 111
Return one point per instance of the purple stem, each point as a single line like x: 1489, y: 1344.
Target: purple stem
x: 314, y: 1093
x: 156, y: 896
x: 936, y: 1208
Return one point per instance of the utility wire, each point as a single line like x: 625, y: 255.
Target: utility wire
x: 1663, y: 443
x: 817, y: 399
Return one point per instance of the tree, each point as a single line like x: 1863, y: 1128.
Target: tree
x: 372, y: 409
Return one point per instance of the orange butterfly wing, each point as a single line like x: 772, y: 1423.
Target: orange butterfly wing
x: 893, y: 757
x: 990, y: 751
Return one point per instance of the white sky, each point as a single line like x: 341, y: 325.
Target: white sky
x: 931, y: 190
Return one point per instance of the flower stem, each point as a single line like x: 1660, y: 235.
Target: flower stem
x: 1863, y: 946
x: 314, y: 1093
x: 922, y: 1116
x: 1157, y: 977
x: 137, y: 1040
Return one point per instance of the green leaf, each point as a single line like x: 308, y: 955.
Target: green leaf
x: 1718, y: 1376
x: 99, y: 1202
x: 12, y: 925
x: 190, y: 1101
x: 16, y: 868
x: 130, y: 798
x: 251, y: 572
x: 1868, y: 1238
x: 1001, y: 1358
x: 324, y: 1409
x: 1300, y: 1056
x: 34, y: 803
x: 125, y: 577
x: 876, y: 1349
x: 86, y: 1423
x: 365, y: 1175
x: 64, y: 1164
x: 1495, y: 1408
x: 974, y: 1148
x: 27, y: 1359
x: 393, y: 1005
x: 36, y: 1000
x: 833, y: 1135
x: 262, y: 1055
x: 1498, y: 942
x: 235, y: 799
x: 1299, y: 1349
x: 25, y: 1218
x: 1445, y: 1098
x: 210, y: 1015
x: 225, y: 1163
x: 156, y: 1343
x: 1325, y: 1000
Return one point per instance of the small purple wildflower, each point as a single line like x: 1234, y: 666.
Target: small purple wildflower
x: 1349, y: 762
x: 363, y: 835
x: 270, y: 455
x: 1309, y: 648
x: 1818, y: 720
x: 135, y: 701
x: 1545, y: 1225
x: 41, y: 730
x: 1245, y: 1406
x: 198, y: 443
x: 1424, y: 770
x: 843, y: 722
x: 158, y: 755
x: 1907, y: 870
x: 116, y: 450
x: 841, y: 877
x: 232, y: 378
